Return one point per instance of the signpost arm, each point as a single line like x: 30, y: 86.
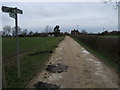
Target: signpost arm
x: 17, y: 44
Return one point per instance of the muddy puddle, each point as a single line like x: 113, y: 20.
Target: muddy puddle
x: 46, y: 85
x: 56, y: 68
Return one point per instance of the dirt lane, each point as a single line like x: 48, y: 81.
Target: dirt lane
x: 84, y: 70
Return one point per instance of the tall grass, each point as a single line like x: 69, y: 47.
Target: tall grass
x: 106, y: 47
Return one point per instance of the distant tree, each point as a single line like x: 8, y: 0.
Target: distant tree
x: 14, y: 31
x: 48, y: 29
x: 6, y: 30
x: 98, y: 33
x: 56, y: 31
x: 114, y: 32
x: 105, y: 32
x: 24, y: 32
x: 36, y: 34
x: 84, y: 32
x: 66, y: 33
x: 30, y: 33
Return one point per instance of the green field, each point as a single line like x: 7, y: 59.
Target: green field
x: 30, y: 65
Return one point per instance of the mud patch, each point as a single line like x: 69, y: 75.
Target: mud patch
x: 46, y: 85
x: 42, y: 52
x: 56, y: 68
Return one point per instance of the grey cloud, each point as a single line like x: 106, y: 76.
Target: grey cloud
x: 67, y: 15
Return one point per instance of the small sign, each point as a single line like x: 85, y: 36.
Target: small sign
x: 8, y: 9
x: 12, y: 15
x: 11, y: 10
x: 19, y: 11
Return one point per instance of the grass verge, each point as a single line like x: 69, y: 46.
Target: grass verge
x: 30, y: 65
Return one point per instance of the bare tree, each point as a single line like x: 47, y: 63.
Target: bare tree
x: 114, y: 3
x: 48, y: 29
x: 6, y: 30
x: 24, y: 32
x: 14, y: 31
x: 31, y: 33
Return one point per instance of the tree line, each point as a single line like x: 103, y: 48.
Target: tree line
x: 9, y: 31
x: 84, y: 32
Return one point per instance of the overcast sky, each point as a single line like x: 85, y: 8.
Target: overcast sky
x: 90, y: 16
